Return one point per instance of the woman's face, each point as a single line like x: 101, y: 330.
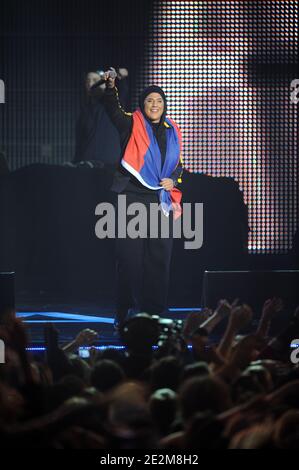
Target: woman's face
x: 154, y: 107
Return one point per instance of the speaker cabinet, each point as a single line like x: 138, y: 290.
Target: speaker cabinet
x: 252, y: 287
x: 7, y: 291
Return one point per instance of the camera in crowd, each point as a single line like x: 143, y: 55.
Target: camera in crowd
x: 143, y: 332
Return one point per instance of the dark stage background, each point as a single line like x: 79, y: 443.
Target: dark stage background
x: 49, y: 237
x: 46, y: 49
x: 226, y: 67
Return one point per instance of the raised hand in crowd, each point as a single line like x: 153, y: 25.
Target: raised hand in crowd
x: 240, y: 316
x: 245, y: 351
x: 222, y: 311
x: 86, y: 337
x: 193, y: 321
x: 270, y: 308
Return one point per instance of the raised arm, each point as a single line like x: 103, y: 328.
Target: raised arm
x: 123, y: 121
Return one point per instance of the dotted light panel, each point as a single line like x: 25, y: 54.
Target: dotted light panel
x: 226, y: 67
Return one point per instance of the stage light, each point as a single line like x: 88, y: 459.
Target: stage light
x: 235, y: 56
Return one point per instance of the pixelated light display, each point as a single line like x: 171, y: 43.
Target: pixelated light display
x: 226, y: 67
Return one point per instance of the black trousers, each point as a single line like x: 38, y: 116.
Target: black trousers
x: 143, y: 266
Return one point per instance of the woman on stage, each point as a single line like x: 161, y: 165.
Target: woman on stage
x: 149, y: 171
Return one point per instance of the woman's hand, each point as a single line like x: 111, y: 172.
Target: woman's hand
x: 240, y: 317
x: 110, y: 82
x: 122, y: 73
x: 167, y: 183
x: 271, y: 307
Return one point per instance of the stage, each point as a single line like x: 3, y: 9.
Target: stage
x: 69, y: 319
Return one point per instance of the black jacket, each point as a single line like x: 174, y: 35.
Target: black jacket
x: 124, y: 123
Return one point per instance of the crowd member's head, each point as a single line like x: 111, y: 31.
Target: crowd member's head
x: 129, y: 421
x: 255, y: 380
x: 166, y: 373
x: 80, y: 368
x: 136, y: 365
x: 106, y: 374
x: 113, y: 355
x: 163, y: 406
x: 197, y: 369
x: 202, y: 394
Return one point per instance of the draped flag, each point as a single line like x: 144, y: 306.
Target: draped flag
x: 142, y: 158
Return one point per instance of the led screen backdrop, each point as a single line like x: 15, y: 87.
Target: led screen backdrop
x: 226, y: 67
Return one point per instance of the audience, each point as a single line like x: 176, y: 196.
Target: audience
x: 196, y: 391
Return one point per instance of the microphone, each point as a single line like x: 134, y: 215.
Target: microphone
x: 111, y: 74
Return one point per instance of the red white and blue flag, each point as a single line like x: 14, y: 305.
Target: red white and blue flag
x: 142, y: 158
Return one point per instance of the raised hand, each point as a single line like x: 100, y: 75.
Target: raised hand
x: 194, y: 320
x: 86, y: 337
x: 243, y: 352
x: 271, y: 307
x: 240, y: 317
x: 110, y: 80
x: 224, y: 308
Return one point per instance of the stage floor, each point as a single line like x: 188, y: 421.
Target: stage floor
x: 69, y: 319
